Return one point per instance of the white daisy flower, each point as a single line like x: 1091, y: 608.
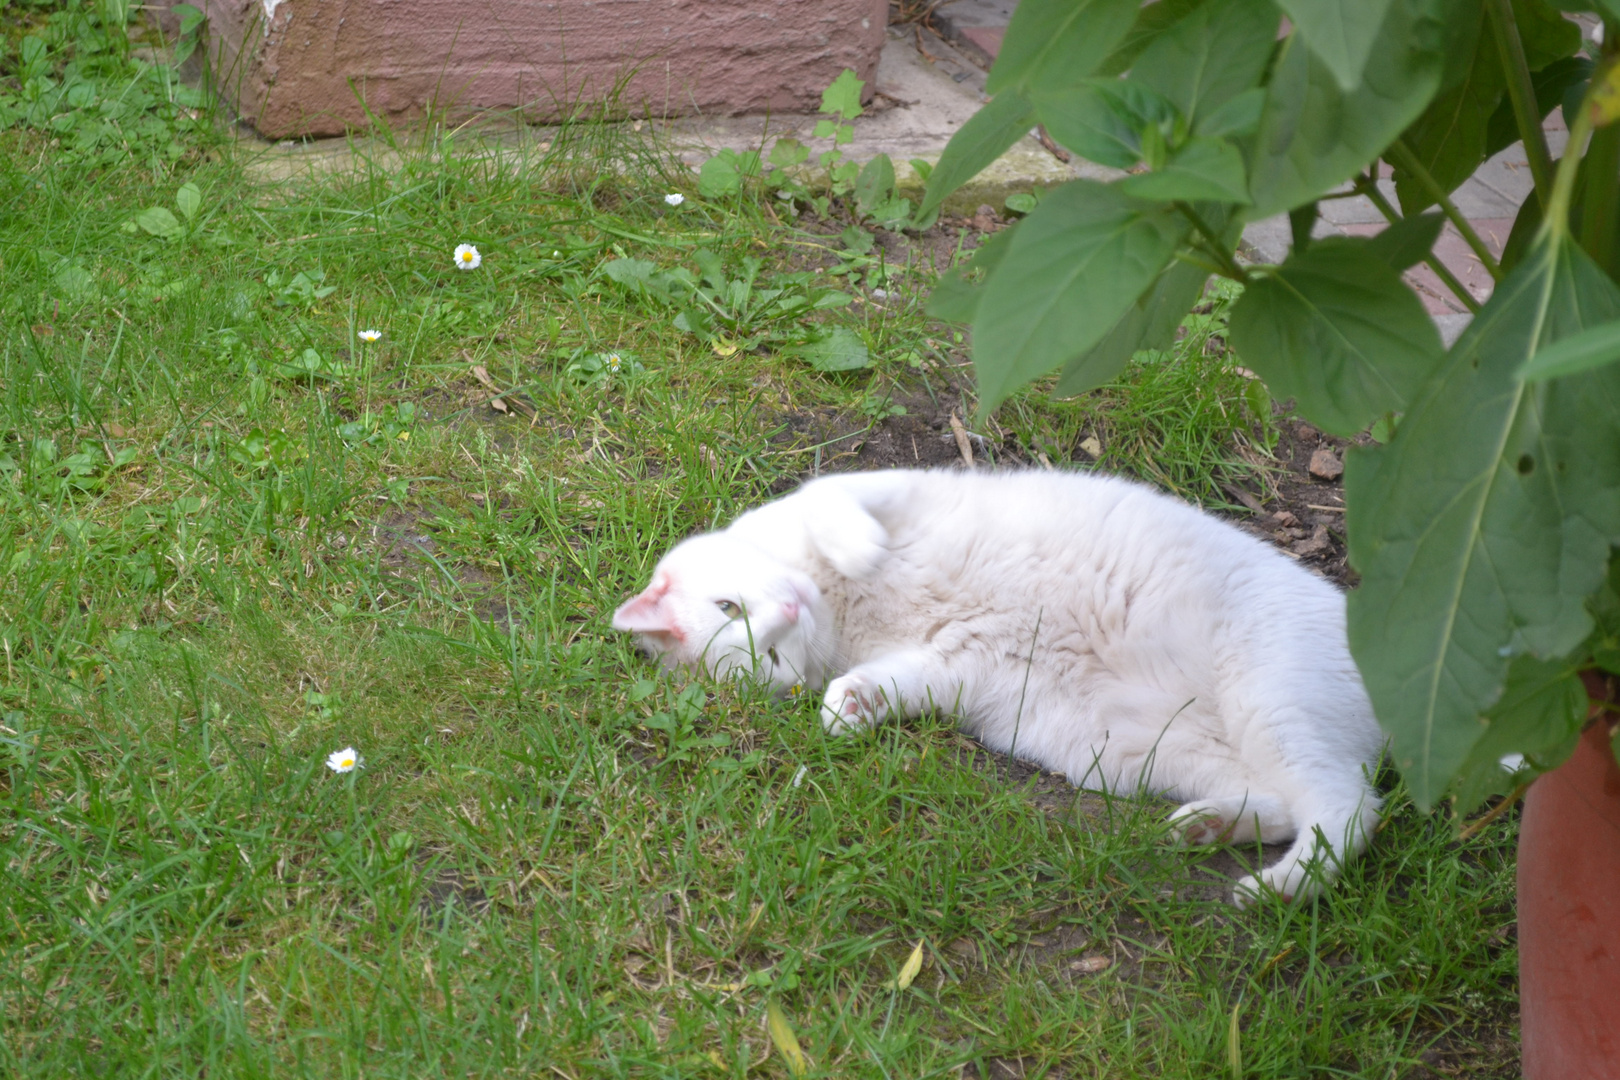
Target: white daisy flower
x: 674, y: 198
x: 345, y: 760
x: 614, y: 361
x: 370, y: 335
x: 467, y: 257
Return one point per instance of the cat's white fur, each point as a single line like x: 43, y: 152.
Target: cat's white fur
x: 1088, y: 624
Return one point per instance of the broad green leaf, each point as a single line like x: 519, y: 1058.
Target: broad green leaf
x: 1239, y: 116
x: 840, y: 349
x: 1077, y: 263
x: 188, y: 199
x: 1211, y: 56
x: 1150, y: 323
x: 1152, y: 21
x: 1315, y: 135
x: 1486, y: 522
x: 1539, y: 715
x: 1550, y: 83
x: 1455, y: 133
x: 956, y: 299
x: 1593, y: 347
x: 1344, y: 34
x: 1201, y: 170
x: 159, y: 221
x: 875, y: 183
x: 1339, y: 332
x: 843, y: 96
x: 718, y: 178
x: 1405, y: 242
x: 1449, y: 138
x: 1103, y: 120
x: 787, y: 153
x: 190, y: 17
x: 1056, y: 43
x: 985, y: 137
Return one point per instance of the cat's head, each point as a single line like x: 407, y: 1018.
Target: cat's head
x: 718, y: 603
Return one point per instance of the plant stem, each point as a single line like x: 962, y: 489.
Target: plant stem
x: 1368, y: 187
x: 1213, y: 246
x: 1409, y: 161
x: 1522, y: 92
x: 1557, y: 217
x: 1600, y: 204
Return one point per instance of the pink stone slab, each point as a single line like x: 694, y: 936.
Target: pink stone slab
x: 301, y: 67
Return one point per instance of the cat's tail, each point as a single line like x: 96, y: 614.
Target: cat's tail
x: 1330, y: 835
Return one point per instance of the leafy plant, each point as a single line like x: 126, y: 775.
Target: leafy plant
x: 1485, y: 527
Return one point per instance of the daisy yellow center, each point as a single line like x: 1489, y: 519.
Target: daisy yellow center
x: 347, y: 763
x: 466, y: 256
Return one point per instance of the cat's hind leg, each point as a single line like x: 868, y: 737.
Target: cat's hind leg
x: 1235, y: 819
x: 902, y: 684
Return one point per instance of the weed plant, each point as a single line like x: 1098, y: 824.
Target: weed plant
x: 235, y: 537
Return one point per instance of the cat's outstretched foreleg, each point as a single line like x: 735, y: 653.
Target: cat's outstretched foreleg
x: 1236, y: 819
x: 901, y: 684
x: 1326, y: 842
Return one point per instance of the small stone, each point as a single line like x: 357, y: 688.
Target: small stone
x: 1091, y: 446
x: 1287, y: 520
x: 1318, y: 543
x: 1090, y: 965
x: 1325, y: 464
x: 984, y: 218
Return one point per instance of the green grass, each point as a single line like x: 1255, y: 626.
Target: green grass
x: 220, y: 561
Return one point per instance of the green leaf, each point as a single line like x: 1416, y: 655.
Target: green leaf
x: 1056, y: 43
x: 1152, y: 21
x: 875, y: 183
x: 159, y: 222
x: 1591, y: 348
x: 1540, y: 715
x: 1076, y: 264
x: 1239, y: 116
x: 1406, y: 242
x: 1550, y: 84
x: 1021, y: 202
x: 787, y: 153
x: 188, y: 199
x: 1211, y: 56
x: 718, y: 178
x: 1150, y: 323
x: 1545, y: 34
x: 1449, y: 137
x: 1337, y: 330
x: 1103, y: 120
x: 843, y: 95
x: 1314, y: 135
x: 985, y: 137
x: 190, y: 17
x: 1486, y: 522
x: 1201, y: 170
x: 1343, y: 34
x: 840, y: 349
x: 954, y: 298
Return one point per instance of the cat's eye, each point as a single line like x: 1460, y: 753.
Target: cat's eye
x: 727, y: 608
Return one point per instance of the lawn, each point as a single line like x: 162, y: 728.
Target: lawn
x: 236, y: 537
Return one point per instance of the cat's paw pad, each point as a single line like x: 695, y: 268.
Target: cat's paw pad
x: 1199, y: 823
x: 853, y: 702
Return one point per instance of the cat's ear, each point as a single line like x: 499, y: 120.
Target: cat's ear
x: 851, y: 539
x: 646, y: 613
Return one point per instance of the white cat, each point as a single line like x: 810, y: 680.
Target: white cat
x: 1087, y: 624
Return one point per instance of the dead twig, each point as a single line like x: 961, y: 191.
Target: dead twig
x: 963, y: 446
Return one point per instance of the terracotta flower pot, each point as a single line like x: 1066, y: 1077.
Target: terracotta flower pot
x: 1569, y: 912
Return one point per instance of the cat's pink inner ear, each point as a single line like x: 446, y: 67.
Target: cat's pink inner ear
x: 647, y: 613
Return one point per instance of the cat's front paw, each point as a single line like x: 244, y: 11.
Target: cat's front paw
x: 853, y: 702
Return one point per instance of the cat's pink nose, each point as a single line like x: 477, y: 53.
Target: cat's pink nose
x: 790, y: 611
